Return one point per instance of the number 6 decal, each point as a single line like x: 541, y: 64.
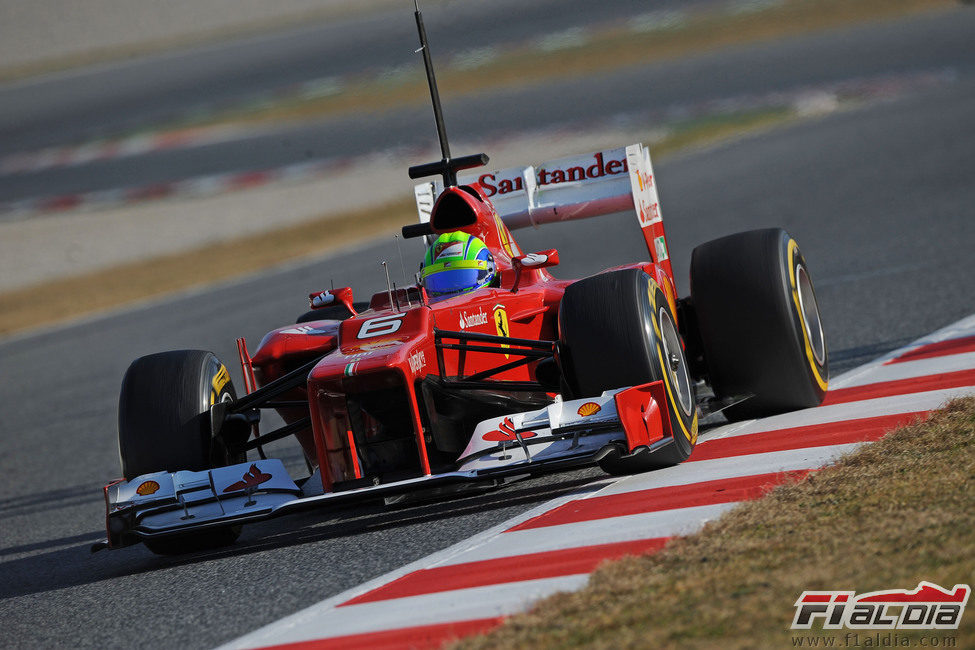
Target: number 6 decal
x: 380, y: 326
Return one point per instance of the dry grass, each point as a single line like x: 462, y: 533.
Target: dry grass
x: 100, y: 290
x: 607, y: 50
x: 889, y: 515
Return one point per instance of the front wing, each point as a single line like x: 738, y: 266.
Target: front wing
x: 562, y: 436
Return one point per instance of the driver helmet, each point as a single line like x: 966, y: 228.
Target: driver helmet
x: 456, y: 263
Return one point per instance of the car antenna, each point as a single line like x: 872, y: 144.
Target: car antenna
x: 406, y: 279
x: 402, y: 263
x: 447, y: 167
x: 389, y: 286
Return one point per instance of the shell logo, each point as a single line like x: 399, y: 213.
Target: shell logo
x: 589, y: 408
x: 147, y: 488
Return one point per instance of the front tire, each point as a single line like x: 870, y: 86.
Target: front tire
x: 164, y: 425
x: 760, y: 326
x: 617, y: 329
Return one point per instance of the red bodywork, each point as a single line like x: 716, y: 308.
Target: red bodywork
x: 385, y: 351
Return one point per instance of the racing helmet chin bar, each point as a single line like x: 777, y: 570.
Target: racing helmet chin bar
x: 447, y: 167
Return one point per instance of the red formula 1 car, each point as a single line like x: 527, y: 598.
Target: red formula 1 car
x: 526, y: 375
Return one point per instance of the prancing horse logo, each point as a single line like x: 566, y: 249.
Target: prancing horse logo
x: 501, y: 324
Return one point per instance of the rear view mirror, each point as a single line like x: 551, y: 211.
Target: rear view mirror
x: 538, y: 260
x: 533, y: 261
x: 321, y: 299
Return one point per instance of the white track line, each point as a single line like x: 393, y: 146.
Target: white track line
x: 627, y: 528
x: 870, y: 408
x: 442, y: 607
x: 911, y: 369
x: 732, y: 467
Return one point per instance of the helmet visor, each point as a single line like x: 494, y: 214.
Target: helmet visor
x: 451, y: 281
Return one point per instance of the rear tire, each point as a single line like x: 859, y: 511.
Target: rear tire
x: 164, y: 425
x: 617, y: 329
x: 760, y: 326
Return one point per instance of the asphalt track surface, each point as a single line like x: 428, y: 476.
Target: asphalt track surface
x: 130, y: 94
x: 879, y: 198
x: 935, y: 42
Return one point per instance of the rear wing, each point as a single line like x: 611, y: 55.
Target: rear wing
x: 608, y: 182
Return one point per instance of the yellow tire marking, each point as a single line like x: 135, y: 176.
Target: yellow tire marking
x: 692, y: 434
x: 221, y: 379
x: 793, y: 247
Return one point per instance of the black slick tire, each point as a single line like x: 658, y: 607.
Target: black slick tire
x: 759, y: 321
x: 164, y: 425
x: 617, y: 329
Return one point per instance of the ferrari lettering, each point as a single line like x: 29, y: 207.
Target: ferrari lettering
x: 380, y: 326
x: 493, y: 185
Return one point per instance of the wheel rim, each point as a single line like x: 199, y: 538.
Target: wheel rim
x: 809, y: 311
x: 675, y: 363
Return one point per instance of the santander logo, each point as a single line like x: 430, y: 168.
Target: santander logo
x: 473, y: 320
x: 493, y: 185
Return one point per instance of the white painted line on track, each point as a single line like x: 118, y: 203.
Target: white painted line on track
x: 733, y: 467
x: 442, y: 607
x: 958, y: 329
x: 665, y: 523
x: 911, y: 369
x: 910, y: 403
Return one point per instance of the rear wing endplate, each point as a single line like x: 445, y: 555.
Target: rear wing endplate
x: 608, y: 182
